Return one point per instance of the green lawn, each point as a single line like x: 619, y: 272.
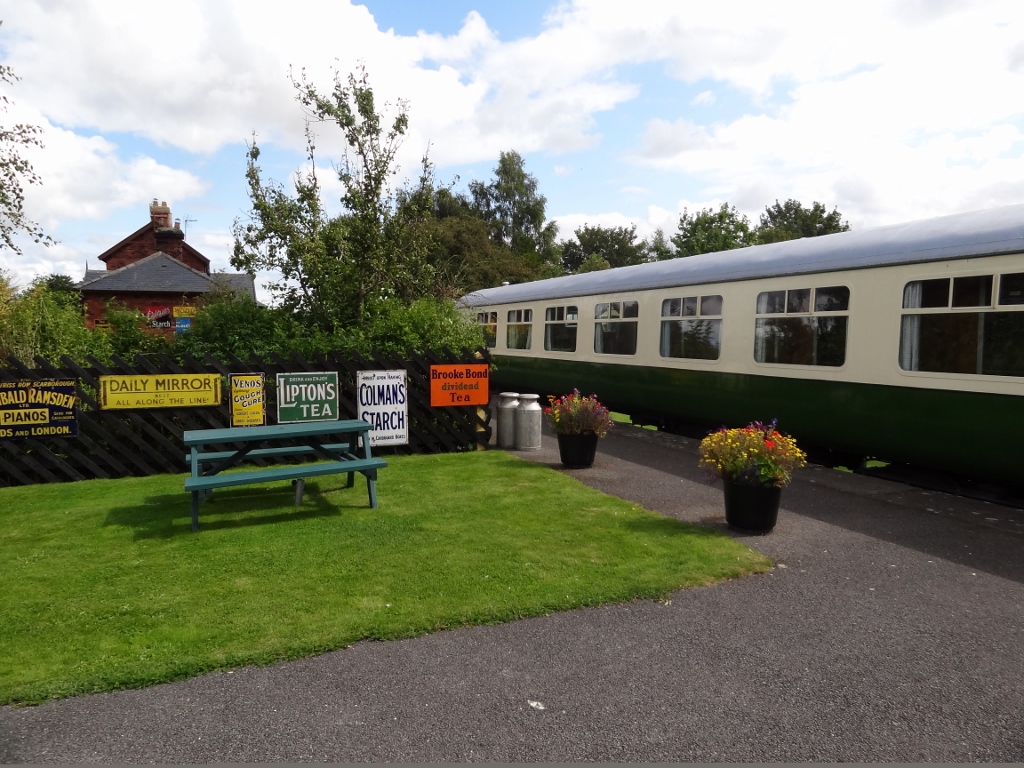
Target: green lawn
x: 623, y: 418
x: 104, y: 586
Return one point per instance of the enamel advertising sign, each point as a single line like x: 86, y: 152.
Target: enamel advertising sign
x: 307, y: 397
x: 460, y: 384
x: 248, y: 400
x: 43, y: 408
x: 382, y: 397
x: 162, y: 390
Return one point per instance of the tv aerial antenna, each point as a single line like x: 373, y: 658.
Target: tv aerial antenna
x: 186, y: 222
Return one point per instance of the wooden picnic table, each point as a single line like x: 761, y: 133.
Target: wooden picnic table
x: 344, y: 444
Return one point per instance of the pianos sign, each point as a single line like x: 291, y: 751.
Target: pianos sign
x: 45, y: 408
x: 307, y: 397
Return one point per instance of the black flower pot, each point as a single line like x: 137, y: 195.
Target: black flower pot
x: 753, y: 508
x: 577, y: 451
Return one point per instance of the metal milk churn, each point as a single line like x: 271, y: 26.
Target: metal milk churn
x: 507, y: 404
x: 528, y: 417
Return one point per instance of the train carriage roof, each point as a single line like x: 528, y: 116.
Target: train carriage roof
x: 959, y: 236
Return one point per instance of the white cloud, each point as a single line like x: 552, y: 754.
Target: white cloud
x: 890, y: 109
x: 936, y: 117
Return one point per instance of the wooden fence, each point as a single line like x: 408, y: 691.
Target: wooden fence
x: 124, y: 443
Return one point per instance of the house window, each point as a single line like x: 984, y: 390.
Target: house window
x: 951, y: 325
x: 615, y: 329
x: 560, y: 325
x: 519, y: 332
x: 697, y: 334
x: 811, y: 331
x: 489, y: 321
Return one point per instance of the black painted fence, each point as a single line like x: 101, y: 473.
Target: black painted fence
x: 143, y: 442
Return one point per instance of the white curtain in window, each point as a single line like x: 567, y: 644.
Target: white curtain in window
x: 910, y: 342
x: 760, y: 341
x: 912, y: 295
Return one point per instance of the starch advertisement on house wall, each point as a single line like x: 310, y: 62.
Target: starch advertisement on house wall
x: 159, y: 317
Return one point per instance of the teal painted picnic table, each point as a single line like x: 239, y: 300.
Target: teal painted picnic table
x: 344, y: 444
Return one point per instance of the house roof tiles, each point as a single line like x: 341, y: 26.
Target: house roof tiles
x: 159, y: 273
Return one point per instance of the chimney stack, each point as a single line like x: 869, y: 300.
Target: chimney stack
x: 160, y: 214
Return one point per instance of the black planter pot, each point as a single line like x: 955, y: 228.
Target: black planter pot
x: 577, y: 451
x: 753, y: 508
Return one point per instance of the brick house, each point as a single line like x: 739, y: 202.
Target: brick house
x: 155, y: 271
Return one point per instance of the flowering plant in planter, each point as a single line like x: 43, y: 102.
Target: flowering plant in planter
x: 574, y: 414
x: 756, y: 455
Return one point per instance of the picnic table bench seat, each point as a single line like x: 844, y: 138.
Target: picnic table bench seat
x: 342, y: 457
x: 290, y: 472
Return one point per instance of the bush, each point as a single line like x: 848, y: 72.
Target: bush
x: 228, y: 323
x: 393, y: 326
x: 44, y: 323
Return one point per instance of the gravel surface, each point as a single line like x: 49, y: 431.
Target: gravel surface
x: 890, y: 630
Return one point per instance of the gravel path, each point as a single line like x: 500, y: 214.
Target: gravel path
x: 890, y: 630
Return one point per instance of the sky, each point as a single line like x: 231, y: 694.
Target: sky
x: 626, y: 113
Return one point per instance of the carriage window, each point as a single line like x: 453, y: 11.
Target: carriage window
x: 489, y: 320
x: 771, y: 302
x: 798, y: 301
x: 926, y: 293
x: 614, y: 331
x: 697, y: 339
x: 818, y: 337
x: 835, y: 299
x: 944, y: 340
x: 1011, y: 289
x: 560, y: 324
x: 519, y: 332
x: 972, y: 291
x: 711, y: 305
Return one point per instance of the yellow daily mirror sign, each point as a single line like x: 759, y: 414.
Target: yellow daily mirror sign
x: 161, y: 390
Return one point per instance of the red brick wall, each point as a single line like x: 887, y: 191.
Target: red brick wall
x: 148, y: 242
x: 95, y: 304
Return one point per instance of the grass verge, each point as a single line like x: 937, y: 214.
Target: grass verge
x: 624, y: 418
x: 105, y: 587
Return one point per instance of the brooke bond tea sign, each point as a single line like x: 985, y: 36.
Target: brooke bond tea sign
x: 460, y: 384
x: 382, y: 397
x: 43, y: 408
x: 307, y: 397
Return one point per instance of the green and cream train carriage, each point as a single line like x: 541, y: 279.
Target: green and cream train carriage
x: 904, y: 342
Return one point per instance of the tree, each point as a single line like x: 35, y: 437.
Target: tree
x: 595, y: 262
x: 659, y: 248
x: 790, y: 220
x: 231, y: 323
x: 514, y: 209
x: 708, y: 231
x: 14, y: 169
x: 462, y: 250
x: 62, y: 286
x: 127, y: 332
x: 39, y: 322
x: 618, y: 246
x: 335, y: 270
